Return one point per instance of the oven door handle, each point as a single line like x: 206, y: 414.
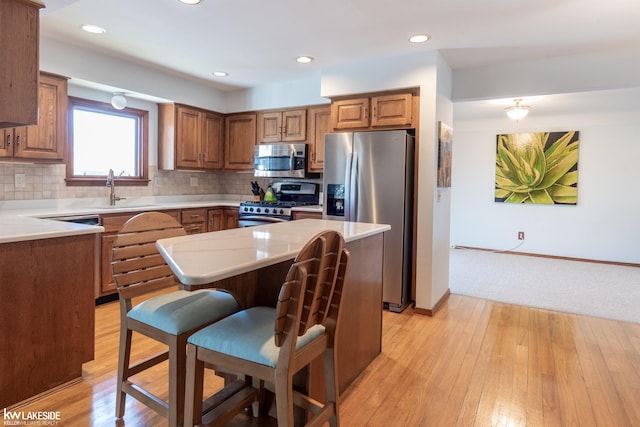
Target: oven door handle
x: 262, y: 218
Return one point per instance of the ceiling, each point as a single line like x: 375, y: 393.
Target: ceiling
x: 257, y: 41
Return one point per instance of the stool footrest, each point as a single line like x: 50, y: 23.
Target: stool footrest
x: 227, y: 403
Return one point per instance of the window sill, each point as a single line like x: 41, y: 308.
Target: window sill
x: 102, y: 181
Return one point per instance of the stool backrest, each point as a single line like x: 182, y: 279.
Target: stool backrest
x: 310, y: 289
x: 137, y: 266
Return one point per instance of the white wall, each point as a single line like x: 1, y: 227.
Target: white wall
x: 90, y: 66
x: 576, y: 73
x: 604, y: 225
x: 442, y: 197
x: 282, y: 95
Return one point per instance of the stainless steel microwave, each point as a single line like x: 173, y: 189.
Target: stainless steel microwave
x: 280, y: 160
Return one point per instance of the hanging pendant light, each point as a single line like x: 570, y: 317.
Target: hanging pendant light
x: 518, y: 111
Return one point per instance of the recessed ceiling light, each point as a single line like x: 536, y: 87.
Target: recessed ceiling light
x: 220, y: 74
x: 304, y: 59
x: 419, y: 38
x: 190, y: 1
x: 94, y: 29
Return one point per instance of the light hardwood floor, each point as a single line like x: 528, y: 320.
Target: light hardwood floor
x: 475, y: 363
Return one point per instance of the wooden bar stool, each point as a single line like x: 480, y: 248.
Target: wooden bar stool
x: 171, y: 317
x: 269, y: 345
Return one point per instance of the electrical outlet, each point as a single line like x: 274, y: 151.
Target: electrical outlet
x: 520, y: 235
x: 194, y: 181
x: 20, y: 180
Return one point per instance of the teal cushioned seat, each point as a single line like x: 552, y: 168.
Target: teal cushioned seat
x: 248, y: 335
x: 182, y: 311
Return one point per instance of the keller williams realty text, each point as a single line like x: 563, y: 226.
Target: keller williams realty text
x: 31, y: 418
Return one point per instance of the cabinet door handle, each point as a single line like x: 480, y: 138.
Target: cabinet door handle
x: 17, y: 140
x: 374, y: 112
x: 8, y: 139
x: 366, y: 113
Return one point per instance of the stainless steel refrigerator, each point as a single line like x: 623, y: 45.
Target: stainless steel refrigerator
x: 368, y: 177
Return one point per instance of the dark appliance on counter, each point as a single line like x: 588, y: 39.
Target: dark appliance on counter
x: 280, y: 160
x: 368, y: 177
x: 289, y: 194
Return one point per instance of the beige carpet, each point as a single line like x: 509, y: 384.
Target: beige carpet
x: 594, y: 289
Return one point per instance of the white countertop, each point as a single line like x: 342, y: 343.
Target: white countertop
x: 15, y: 228
x: 204, y: 258
x: 29, y: 219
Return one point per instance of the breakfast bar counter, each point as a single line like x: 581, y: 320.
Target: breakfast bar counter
x: 209, y: 257
x: 252, y: 263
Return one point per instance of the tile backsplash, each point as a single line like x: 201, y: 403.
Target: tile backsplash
x: 22, y: 181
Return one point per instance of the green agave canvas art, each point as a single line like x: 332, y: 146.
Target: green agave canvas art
x: 537, y: 167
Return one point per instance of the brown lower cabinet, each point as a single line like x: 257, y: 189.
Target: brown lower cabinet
x: 222, y: 218
x: 194, y: 220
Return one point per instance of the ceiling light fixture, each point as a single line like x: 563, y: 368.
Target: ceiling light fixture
x: 220, y: 73
x: 119, y: 101
x: 518, y: 111
x: 305, y: 59
x: 190, y: 2
x: 419, y: 38
x: 93, y: 29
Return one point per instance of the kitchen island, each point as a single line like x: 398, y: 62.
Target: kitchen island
x: 252, y: 263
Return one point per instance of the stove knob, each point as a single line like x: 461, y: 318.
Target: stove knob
x: 258, y: 210
x: 250, y: 209
x: 281, y: 211
x: 266, y: 210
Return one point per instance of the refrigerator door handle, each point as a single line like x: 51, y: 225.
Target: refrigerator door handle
x: 353, y: 185
x: 347, y: 186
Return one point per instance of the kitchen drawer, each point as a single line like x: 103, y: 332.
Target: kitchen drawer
x: 113, y: 223
x: 190, y: 216
x: 306, y: 214
x: 194, y: 228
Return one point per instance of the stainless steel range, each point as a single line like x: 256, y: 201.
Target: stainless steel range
x: 289, y: 194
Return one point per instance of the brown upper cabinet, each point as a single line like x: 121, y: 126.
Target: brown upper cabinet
x: 381, y: 111
x: 19, y: 62
x: 44, y: 142
x: 190, y: 138
x: 239, y: 141
x: 282, y: 126
x: 319, y: 123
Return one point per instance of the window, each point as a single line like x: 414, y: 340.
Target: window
x: 103, y: 138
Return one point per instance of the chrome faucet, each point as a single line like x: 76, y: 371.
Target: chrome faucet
x: 111, y: 183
